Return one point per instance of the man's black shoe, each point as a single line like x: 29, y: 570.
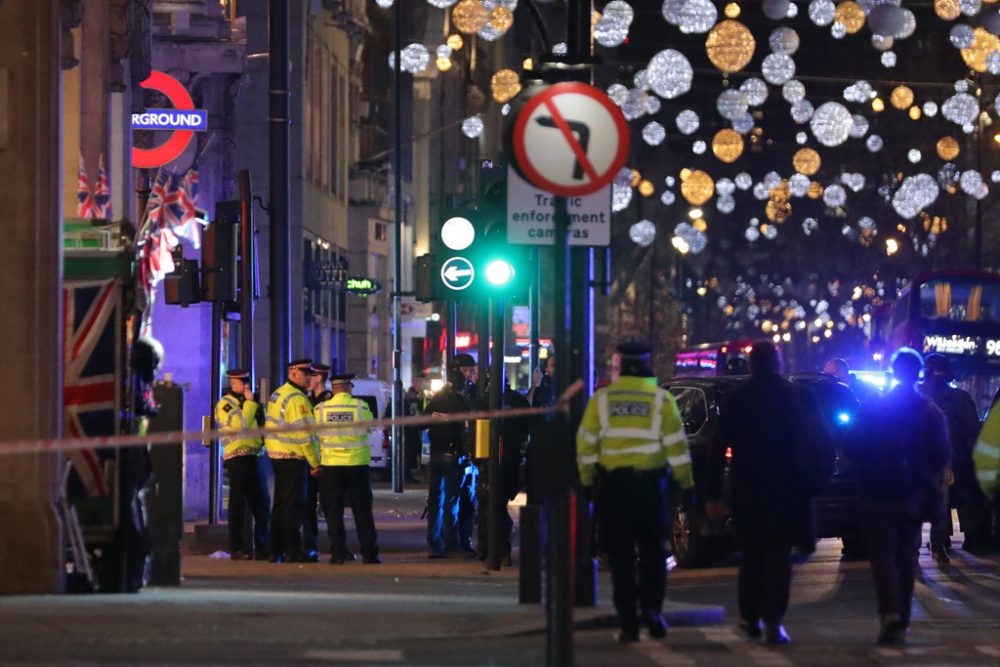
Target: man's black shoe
x: 775, y: 634
x: 372, y: 560
x: 656, y: 625
x: 628, y: 637
x: 892, y: 631
x: 312, y: 557
x: 751, y: 629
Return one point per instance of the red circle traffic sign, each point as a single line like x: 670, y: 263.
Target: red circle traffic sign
x: 172, y: 148
x: 570, y: 139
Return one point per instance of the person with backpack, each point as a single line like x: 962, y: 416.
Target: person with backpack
x: 900, y: 447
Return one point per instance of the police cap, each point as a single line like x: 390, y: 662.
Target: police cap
x: 305, y: 363
x: 238, y: 374
x: 938, y: 365
x: 319, y: 369
x: 343, y: 378
x: 633, y: 349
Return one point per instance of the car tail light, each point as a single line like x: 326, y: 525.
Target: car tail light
x: 729, y: 453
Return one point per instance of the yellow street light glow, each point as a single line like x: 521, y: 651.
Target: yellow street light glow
x: 680, y: 245
x: 891, y: 246
x: 444, y: 64
x: 455, y: 41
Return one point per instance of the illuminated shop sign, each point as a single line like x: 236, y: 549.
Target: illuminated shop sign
x: 362, y: 286
x: 170, y: 119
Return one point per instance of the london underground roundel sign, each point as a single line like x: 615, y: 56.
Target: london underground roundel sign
x: 177, y: 120
x: 570, y: 139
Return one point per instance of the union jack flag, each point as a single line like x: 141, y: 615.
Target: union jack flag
x: 102, y: 196
x: 91, y: 319
x: 84, y: 200
x: 187, y: 198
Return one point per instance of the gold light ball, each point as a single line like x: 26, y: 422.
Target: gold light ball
x: 469, y: 16
x: 505, y: 84
x: 730, y: 46
x: 685, y: 172
x: 948, y: 10
x: 501, y: 19
x: 646, y: 188
x: 983, y: 44
x: 444, y: 64
x: 915, y: 112
x: 777, y: 210
x: 698, y: 188
x: 806, y: 161
x: 700, y: 225
x: 455, y: 41
x: 878, y: 105
x: 901, y: 97
x: 727, y: 145
x: 851, y: 15
x: 815, y: 190
x: 948, y: 148
x: 636, y: 177
x: 732, y: 10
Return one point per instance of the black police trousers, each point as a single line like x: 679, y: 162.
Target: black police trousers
x: 246, y: 488
x: 342, y: 485
x: 310, y: 523
x: 633, y: 514
x: 894, y: 551
x: 765, y: 579
x: 289, y: 506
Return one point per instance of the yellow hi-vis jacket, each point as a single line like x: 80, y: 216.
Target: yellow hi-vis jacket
x: 986, y: 455
x: 286, y: 407
x: 343, y: 446
x: 632, y: 423
x: 231, y: 417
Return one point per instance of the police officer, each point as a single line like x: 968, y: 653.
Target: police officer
x: 630, y: 436
x: 344, y: 460
x: 986, y: 456
x: 318, y: 373
x: 444, y: 472
x: 964, y: 494
x: 237, y: 410
x: 293, y: 455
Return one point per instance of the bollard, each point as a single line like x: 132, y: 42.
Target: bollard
x: 529, y: 581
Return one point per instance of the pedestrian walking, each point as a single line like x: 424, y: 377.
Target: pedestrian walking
x: 294, y: 457
x: 630, y: 443
x: 344, y: 471
x: 318, y: 374
x: 446, y: 468
x: 237, y: 411
x: 899, y: 445
x: 765, y: 425
x: 959, y: 488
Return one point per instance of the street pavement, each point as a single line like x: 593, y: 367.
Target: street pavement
x: 411, y: 610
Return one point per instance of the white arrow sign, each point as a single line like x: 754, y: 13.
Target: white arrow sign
x: 457, y: 273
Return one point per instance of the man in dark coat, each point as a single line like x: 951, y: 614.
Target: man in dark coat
x: 761, y: 423
x: 899, y: 445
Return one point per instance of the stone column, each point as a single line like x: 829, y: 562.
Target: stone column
x: 30, y: 282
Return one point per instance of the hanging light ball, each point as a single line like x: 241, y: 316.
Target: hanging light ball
x: 822, y: 12
x: 815, y: 190
x: 755, y: 90
x: 455, y: 41
x: 654, y: 133
x: 806, y: 161
x: 472, y: 127
x: 775, y: 9
x: 778, y: 68
x: 793, y: 91
x: 983, y: 43
x: 874, y: 143
x: 887, y: 20
x: 441, y: 4
x: 916, y: 193
x: 784, y: 40
x: 610, y: 31
x: 620, y: 10
x: 730, y: 46
x: 646, y: 188
x: 499, y: 22
x: 414, y: 58
x: 831, y: 123
x: 947, y: 10
x: 443, y: 64
x: 961, y: 109
x: 691, y: 16
x: 697, y: 188
x: 777, y: 210
x: 469, y: 16
x: 947, y: 148
x: 727, y: 145
x: 731, y: 104
x: 504, y: 85
x: 642, y: 233
x: 851, y: 16
x: 901, y: 97
x: 384, y: 4
x: 669, y: 74
x: 688, y: 122
x: 731, y: 10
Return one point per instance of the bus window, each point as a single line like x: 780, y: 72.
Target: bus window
x: 960, y: 299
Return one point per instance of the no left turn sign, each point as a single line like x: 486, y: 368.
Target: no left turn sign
x: 570, y: 139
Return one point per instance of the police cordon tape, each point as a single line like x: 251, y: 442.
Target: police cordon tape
x: 35, y: 446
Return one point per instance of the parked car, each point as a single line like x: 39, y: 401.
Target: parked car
x: 698, y: 541
x: 377, y: 395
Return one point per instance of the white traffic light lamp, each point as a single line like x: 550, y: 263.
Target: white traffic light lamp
x: 457, y: 233
x: 499, y: 272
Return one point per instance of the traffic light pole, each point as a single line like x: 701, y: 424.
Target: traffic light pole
x: 397, y: 269
x: 279, y: 233
x: 496, y: 502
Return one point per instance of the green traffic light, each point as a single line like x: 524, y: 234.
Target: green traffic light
x: 499, y: 272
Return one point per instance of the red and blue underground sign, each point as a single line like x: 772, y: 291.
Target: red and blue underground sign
x: 182, y: 121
